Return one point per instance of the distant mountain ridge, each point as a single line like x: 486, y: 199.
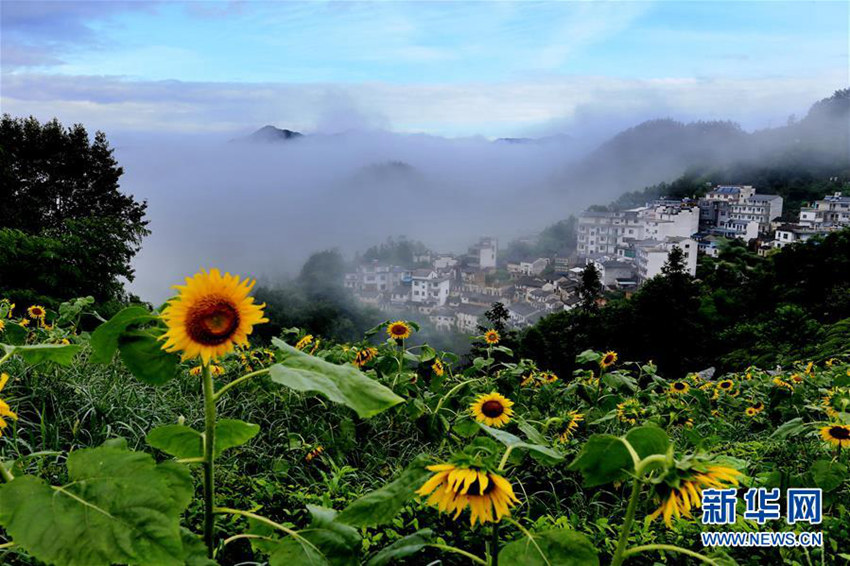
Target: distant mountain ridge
x: 270, y: 134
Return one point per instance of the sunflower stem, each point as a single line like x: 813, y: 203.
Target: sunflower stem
x: 456, y: 550
x: 505, y: 457
x: 209, y: 460
x: 619, y: 554
x: 7, y: 475
x: 494, y: 545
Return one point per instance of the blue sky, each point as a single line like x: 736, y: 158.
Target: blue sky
x: 447, y: 68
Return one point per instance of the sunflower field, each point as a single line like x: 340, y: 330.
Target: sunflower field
x: 168, y: 437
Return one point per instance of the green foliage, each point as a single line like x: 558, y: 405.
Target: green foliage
x: 33, y: 354
x: 556, y: 547
x: 184, y: 442
x: 340, y: 384
x: 120, y: 507
x: 65, y: 228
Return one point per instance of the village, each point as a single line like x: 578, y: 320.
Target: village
x: 626, y: 247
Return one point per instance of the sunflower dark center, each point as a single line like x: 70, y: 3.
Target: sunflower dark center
x: 492, y: 409
x: 725, y: 385
x: 475, y: 488
x: 840, y: 433
x: 398, y: 330
x: 608, y: 359
x: 212, y: 322
x: 679, y: 386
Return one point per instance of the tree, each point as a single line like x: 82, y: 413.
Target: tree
x: 497, y: 317
x: 62, y: 214
x: 590, y: 288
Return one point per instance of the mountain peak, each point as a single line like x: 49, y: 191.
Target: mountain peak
x: 268, y: 134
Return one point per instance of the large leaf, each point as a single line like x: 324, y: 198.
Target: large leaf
x: 341, y: 384
x: 338, y: 542
x: 104, y: 340
x: 185, y: 442
x: 549, y: 455
x: 603, y: 459
x: 794, y: 427
x: 402, y: 548
x: 380, y: 506
x: 828, y: 475
x: 143, y: 355
x: 556, y: 547
x: 14, y: 334
x: 293, y: 552
x: 118, y: 507
x: 62, y: 354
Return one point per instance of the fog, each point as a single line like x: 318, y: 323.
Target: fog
x: 262, y: 208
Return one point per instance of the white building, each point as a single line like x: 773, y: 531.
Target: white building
x: 483, y: 254
x: 426, y: 285
x: 791, y: 233
x: 612, y: 233
x: 375, y: 277
x: 833, y: 210
x: 651, y: 255
x: 736, y: 211
x: 467, y: 317
x: 529, y: 267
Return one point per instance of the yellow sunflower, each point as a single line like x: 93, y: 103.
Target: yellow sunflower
x: 5, y: 411
x: 751, y: 411
x: 364, y: 356
x: 24, y: 322
x: 438, y: 368
x: 680, y: 500
x: 491, y: 337
x: 453, y: 488
x: 836, y: 434
x: 492, y: 409
x: 313, y: 454
x: 836, y: 400
x: 725, y: 385
x: 36, y: 311
x: 629, y: 411
x: 608, y: 359
x: 304, y: 342
x: 2, y: 326
x: 546, y: 377
x: 398, y: 330
x: 211, y: 314
x: 679, y: 388
x: 572, y: 420
x: 782, y: 384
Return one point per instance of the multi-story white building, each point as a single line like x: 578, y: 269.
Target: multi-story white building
x: 651, y: 255
x: 737, y: 211
x: 483, y: 254
x: 833, y: 210
x: 528, y: 267
x: 376, y: 277
x: 427, y: 285
x: 467, y: 317
x: 612, y: 233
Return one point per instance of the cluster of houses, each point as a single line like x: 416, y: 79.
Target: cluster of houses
x: 454, y: 291
x: 817, y: 219
x: 626, y: 247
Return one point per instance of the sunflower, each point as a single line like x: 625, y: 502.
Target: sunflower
x: 836, y: 434
x: 572, y: 420
x: 398, y: 330
x: 527, y: 380
x: 836, y: 400
x: 211, y: 314
x: 5, y: 411
x: 304, y: 342
x: 629, y: 411
x: 782, y: 384
x: 726, y: 385
x: 608, y: 359
x: 364, y: 356
x: 492, y: 409
x: 215, y: 370
x: 453, y: 488
x: 491, y: 337
x: 810, y: 368
x: 313, y: 454
x: 680, y: 500
x: 679, y: 388
x: 437, y: 367
x: 24, y: 322
x: 751, y: 411
x: 547, y: 377
x: 36, y: 311
x: 2, y: 326
x: 758, y: 406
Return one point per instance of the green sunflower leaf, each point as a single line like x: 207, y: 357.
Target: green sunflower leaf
x: 62, y: 354
x: 342, y: 384
x: 555, y: 547
x: 142, y: 353
x: 402, y: 548
x: 104, y: 340
x: 549, y: 455
x: 380, y: 506
x: 118, y: 507
x: 185, y: 442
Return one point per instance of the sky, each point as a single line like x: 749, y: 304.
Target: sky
x: 494, y: 69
